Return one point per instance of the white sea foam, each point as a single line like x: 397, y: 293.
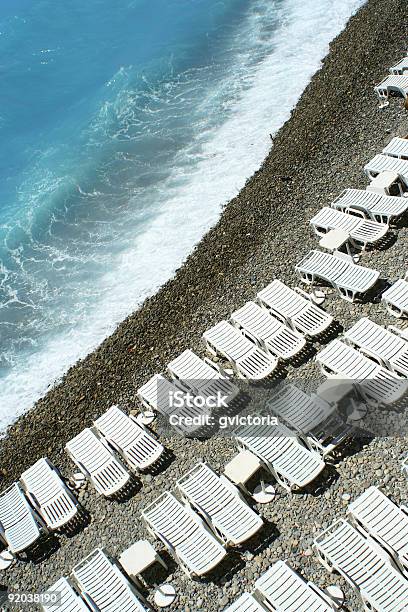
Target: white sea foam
x: 190, y: 199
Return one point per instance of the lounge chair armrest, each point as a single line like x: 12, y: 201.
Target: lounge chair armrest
x: 356, y: 212
x: 323, y: 595
x: 89, y: 601
x: 32, y: 498
x: 382, y: 552
x: 233, y: 488
x: 251, y: 337
x: 216, y: 366
x: 304, y: 294
x: 404, y: 509
x: 373, y: 356
x: 401, y: 333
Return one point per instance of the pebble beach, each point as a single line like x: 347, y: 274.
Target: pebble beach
x: 335, y: 129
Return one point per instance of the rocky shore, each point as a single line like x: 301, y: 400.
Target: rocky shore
x: 334, y: 130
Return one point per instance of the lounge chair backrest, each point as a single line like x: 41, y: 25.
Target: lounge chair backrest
x: 189, y: 367
x: 245, y: 603
x: 228, y: 340
x: 285, y: 590
x: 398, y: 147
x: 105, y: 585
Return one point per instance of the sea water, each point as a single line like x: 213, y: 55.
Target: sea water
x: 125, y: 127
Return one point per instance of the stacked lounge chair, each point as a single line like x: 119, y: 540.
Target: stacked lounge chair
x: 384, y: 209
x: 376, y: 384
x: 295, y: 308
x: 184, y: 534
x: 366, y: 568
x: 349, y: 280
x: 220, y: 504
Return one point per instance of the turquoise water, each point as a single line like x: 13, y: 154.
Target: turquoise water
x: 125, y: 127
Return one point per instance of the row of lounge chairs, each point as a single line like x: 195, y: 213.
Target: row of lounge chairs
x: 370, y: 551
x: 39, y: 503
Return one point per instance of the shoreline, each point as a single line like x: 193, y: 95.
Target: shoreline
x: 263, y: 232
x: 203, y: 289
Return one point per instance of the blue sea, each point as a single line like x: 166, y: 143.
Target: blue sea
x: 125, y: 127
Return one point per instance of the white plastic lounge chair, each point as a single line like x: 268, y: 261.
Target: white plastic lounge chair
x: 314, y: 420
x: 386, y: 346
x: 19, y: 527
x: 384, y: 521
x: 364, y: 566
x: 362, y: 232
x: 293, y: 465
x: 184, y: 534
x: 220, y: 504
x: 396, y: 298
x: 376, y: 384
x: 97, y: 462
x: 245, y: 603
x: 159, y: 394
x: 398, y: 147
x: 248, y: 360
x: 105, y: 586
x: 394, y: 84
x: 349, y: 280
x: 69, y: 600
x: 49, y: 495
x: 381, y: 162
x: 202, y: 376
x: 283, y: 589
x: 134, y: 443
x: 293, y: 306
x: 266, y: 331
x: 382, y: 208
x: 401, y: 67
